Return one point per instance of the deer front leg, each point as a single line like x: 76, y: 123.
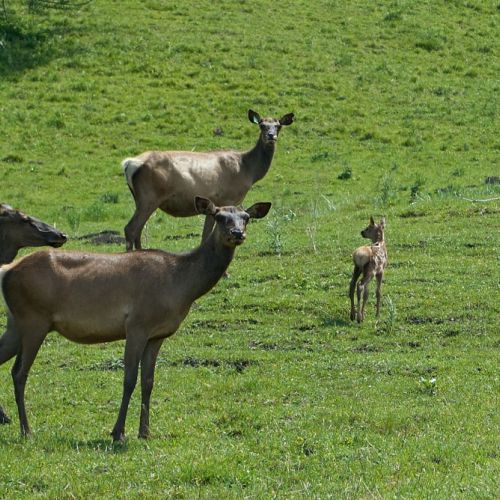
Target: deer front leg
x: 10, y: 345
x: 134, y: 348
x: 148, y: 364
x: 378, y: 293
x: 32, y: 340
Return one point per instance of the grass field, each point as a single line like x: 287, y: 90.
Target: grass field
x: 268, y: 390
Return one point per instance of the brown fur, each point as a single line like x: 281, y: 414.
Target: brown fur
x: 170, y: 180
x: 18, y: 230
x: 141, y: 297
x: 370, y: 261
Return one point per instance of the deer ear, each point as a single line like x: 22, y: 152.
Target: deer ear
x: 254, y: 117
x: 382, y: 222
x: 204, y: 206
x: 287, y: 119
x: 258, y: 210
x: 372, y: 222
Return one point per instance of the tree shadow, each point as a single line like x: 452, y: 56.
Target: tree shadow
x: 27, y: 45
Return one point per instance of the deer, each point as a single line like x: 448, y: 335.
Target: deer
x: 18, y: 230
x: 370, y: 261
x: 141, y: 297
x: 170, y: 179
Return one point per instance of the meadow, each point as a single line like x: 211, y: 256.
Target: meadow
x: 268, y: 390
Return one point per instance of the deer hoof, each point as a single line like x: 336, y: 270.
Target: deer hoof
x: 118, y: 438
x: 143, y: 431
x: 4, y: 418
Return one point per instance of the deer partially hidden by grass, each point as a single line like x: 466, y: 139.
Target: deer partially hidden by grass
x: 141, y: 297
x: 369, y: 261
x: 169, y: 180
x: 18, y: 230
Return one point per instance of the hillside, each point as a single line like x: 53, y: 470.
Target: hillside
x: 268, y: 390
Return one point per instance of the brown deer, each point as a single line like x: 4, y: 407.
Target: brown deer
x: 371, y: 261
x: 169, y: 180
x: 90, y: 298
x: 18, y: 230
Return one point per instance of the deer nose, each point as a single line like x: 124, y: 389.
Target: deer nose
x: 237, y: 234
x: 271, y: 136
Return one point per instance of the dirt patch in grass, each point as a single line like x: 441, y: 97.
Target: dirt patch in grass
x: 409, y: 214
x: 426, y: 320
x: 238, y: 364
x: 416, y: 244
x: 266, y: 278
x: 367, y: 348
x: 221, y: 325
x: 105, y: 237
x: 107, y: 365
x: 175, y: 237
x: 492, y: 179
x: 265, y: 346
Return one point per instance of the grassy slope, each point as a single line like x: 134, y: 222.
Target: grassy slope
x: 268, y: 389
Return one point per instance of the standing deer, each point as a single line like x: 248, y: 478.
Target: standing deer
x: 90, y: 298
x: 371, y: 261
x: 18, y: 230
x: 169, y: 180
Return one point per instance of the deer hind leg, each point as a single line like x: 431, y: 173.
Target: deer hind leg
x: 10, y: 343
x: 148, y: 364
x: 133, y: 230
x: 363, y: 291
x: 352, y: 289
x: 378, y: 293
x: 32, y: 338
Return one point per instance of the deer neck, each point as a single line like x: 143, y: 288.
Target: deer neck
x: 205, y: 266
x: 379, y: 243
x: 257, y: 161
x: 7, y: 255
x: 378, y: 239
x: 8, y: 251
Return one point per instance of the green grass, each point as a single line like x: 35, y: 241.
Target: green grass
x: 268, y: 390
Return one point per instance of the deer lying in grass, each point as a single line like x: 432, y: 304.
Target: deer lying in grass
x: 371, y: 261
x: 89, y: 298
x: 169, y: 180
x: 18, y: 230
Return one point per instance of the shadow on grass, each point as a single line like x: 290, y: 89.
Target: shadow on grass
x: 106, y: 445
x: 102, y: 445
x: 25, y: 46
x: 329, y: 321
